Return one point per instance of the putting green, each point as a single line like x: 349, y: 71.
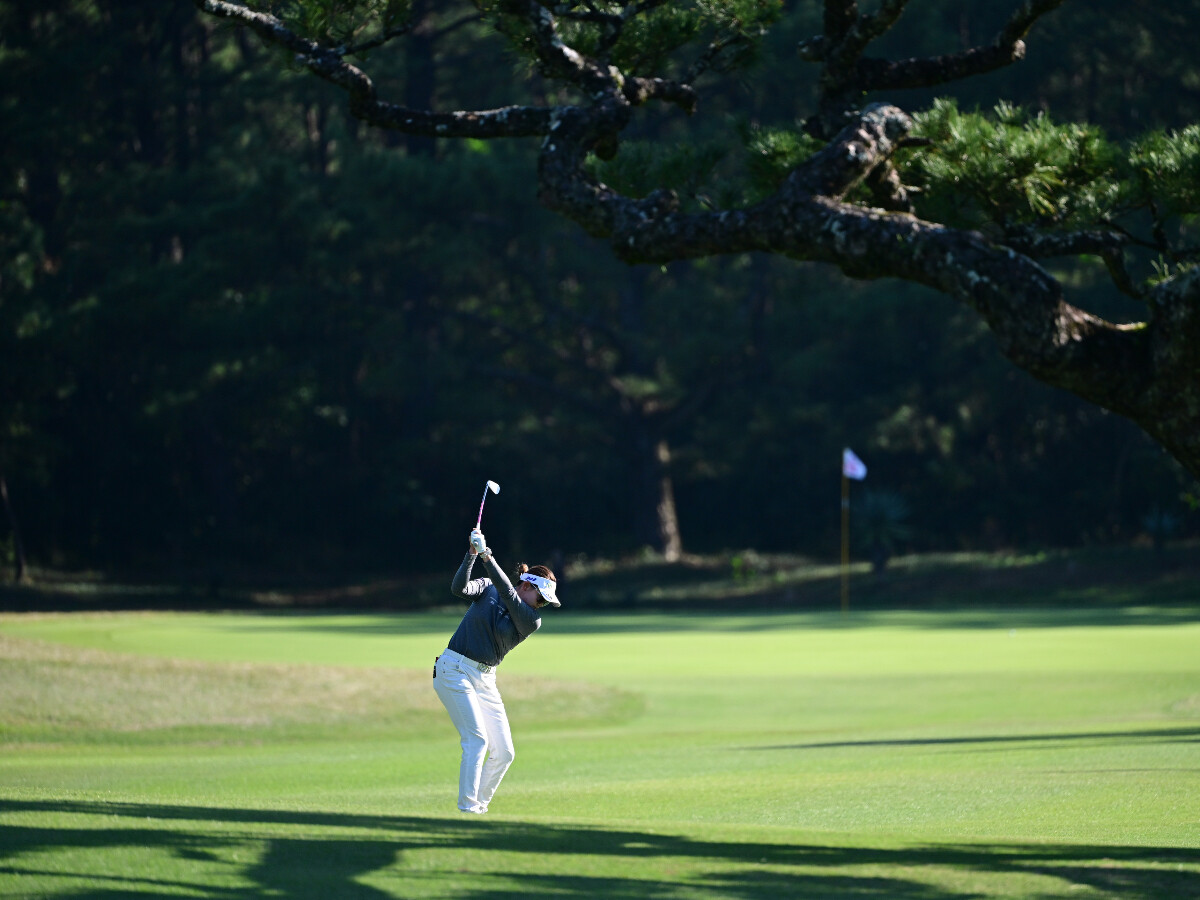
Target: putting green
x: 1025, y: 753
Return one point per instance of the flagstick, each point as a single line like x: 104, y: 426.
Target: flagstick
x: 845, y: 543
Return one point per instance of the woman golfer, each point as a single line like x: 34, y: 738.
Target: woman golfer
x: 464, y: 676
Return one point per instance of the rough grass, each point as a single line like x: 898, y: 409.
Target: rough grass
x: 60, y: 692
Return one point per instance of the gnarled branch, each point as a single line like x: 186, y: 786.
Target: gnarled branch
x: 329, y: 63
x: 1007, y: 48
x: 1146, y: 371
x: 847, y: 74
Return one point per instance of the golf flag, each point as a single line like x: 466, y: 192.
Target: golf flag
x: 852, y: 466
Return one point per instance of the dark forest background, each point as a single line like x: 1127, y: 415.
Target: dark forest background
x: 240, y: 330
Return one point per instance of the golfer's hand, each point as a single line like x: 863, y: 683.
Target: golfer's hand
x: 478, y: 541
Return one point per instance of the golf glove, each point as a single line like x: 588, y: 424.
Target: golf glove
x: 478, y: 541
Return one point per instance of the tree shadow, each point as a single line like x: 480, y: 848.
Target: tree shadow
x: 321, y: 864
x: 1143, y: 736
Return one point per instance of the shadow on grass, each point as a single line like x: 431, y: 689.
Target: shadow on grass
x: 1152, y: 736
x: 293, y: 854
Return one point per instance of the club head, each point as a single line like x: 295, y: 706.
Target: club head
x: 493, y: 487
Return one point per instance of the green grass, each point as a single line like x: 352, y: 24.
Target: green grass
x: 883, y: 754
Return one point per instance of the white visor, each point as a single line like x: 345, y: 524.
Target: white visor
x: 545, y: 587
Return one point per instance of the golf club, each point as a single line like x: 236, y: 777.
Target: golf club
x: 495, y: 489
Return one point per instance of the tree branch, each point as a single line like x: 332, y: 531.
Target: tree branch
x: 850, y: 157
x: 808, y: 220
x: 708, y: 59
x: 329, y: 64
x: 840, y: 16
x: 1107, y: 244
x: 507, y: 122
x: 266, y: 26
x: 862, y: 31
x: 377, y: 41
x: 1114, y: 261
x: 1008, y: 47
x: 1041, y: 245
x: 561, y: 60
x: 1146, y: 371
x: 652, y: 230
x: 888, y: 190
x: 847, y: 75
x: 1171, y: 410
x: 639, y: 91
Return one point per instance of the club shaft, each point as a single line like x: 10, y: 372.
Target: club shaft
x: 479, y: 520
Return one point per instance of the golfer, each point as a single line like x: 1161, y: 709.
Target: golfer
x: 464, y: 675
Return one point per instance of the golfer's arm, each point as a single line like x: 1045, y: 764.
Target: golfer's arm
x: 461, y: 585
x: 523, y: 616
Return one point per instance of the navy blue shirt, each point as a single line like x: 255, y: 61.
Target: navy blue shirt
x: 497, y: 619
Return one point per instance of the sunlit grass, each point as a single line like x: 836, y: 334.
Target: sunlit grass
x: 978, y: 753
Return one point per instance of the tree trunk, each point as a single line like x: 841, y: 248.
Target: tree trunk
x: 20, y: 572
x: 656, y: 521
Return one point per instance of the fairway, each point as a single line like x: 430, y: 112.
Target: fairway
x: 1024, y: 753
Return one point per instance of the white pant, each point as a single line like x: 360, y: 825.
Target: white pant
x: 477, y: 710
